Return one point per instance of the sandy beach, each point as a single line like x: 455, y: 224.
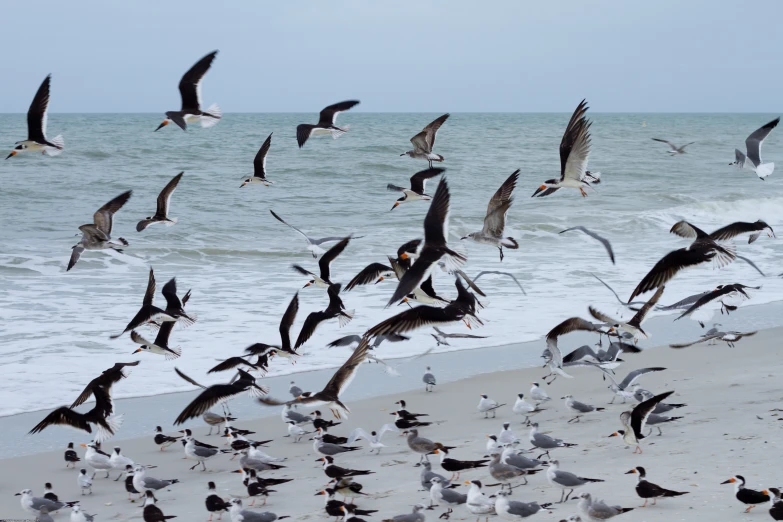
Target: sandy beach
x: 727, y: 429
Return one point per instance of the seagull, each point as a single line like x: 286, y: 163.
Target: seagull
x: 648, y: 490
x: 565, y: 480
x: 574, y: 152
x: 720, y: 293
x: 514, y: 509
x: 634, y: 326
x: 728, y: 337
x: 330, y: 395
x: 434, y: 247
x: 634, y: 421
x: 259, y: 166
x: 148, y: 312
x: 348, y: 340
x: 162, y: 212
x: 374, y: 438
x: 522, y: 407
x: 34, y: 505
x: 440, y: 336
x: 439, y: 492
x: 429, y: 380
x: 372, y: 273
x: 217, y: 393
x: 507, y: 274
x: 84, y: 481
x: 580, y: 408
x: 487, y: 405
x: 753, y: 147
x: 97, y: 235
x: 313, y: 244
x: 336, y: 309
x: 608, y: 359
x: 190, y: 91
x: 545, y: 442
x: 674, y: 150
x: 323, y: 279
x: 424, y: 141
x: 36, y: 126
x: 555, y: 359
x: 495, y: 220
x: 598, y: 510
x: 624, y: 388
x: 537, y: 394
x: 326, y: 123
x: 605, y: 242
x: 416, y: 192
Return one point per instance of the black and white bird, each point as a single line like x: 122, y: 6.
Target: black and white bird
x: 100, y: 416
x: 148, y: 311
x: 71, y: 457
x: 313, y: 244
x: 580, y: 408
x: 323, y: 279
x: 285, y: 349
x: 605, y: 242
x: 634, y: 326
x: 153, y: 513
x: 97, y: 235
x: 721, y: 293
x: 635, y: 420
x: 162, y: 212
x: 36, y: 126
x: 674, y: 150
x: 217, y: 393
x: 215, y: 503
x: 416, y: 190
x: 335, y: 309
x: 190, y: 92
x: 647, y: 490
x: 730, y: 231
x: 326, y: 123
x: 441, y: 337
x: 574, y: 153
x: 162, y: 440
x: 424, y: 141
x: 259, y: 166
x: 495, y: 219
x: 753, y: 147
x: 373, y: 273
x: 749, y: 497
x: 554, y: 356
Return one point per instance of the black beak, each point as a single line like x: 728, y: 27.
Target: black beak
x: 160, y: 126
x: 538, y: 190
x: 10, y: 155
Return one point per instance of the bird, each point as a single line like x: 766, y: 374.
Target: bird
x: 635, y: 420
x: 313, y: 244
x: 439, y: 492
x: 36, y: 126
x: 416, y: 191
x: 720, y: 293
x: 608, y: 359
x: 190, y: 92
x: 422, y: 445
x: 49, y: 492
x: 326, y: 123
x: 624, y: 388
x: 504, y: 473
x: 84, y: 481
x: 415, y: 516
x: 217, y: 393
x: 426, y: 476
x: 153, y: 513
x: 71, y: 456
x: 440, y: 337
x: 424, y: 141
x: 545, y: 442
x: 323, y: 279
x: 434, y: 247
x: 142, y: 482
x: 120, y: 462
x: 749, y: 497
x: 605, y: 242
x: 514, y: 509
x: 405, y: 422
x: 598, y: 510
x: 245, y: 515
x: 77, y: 515
x: 674, y: 150
x: 580, y: 408
x: 148, y: 312
x: 496, y: 272
x: 162, y: 211
x: 753, y: 145
x: 522, y: 407
x: 33, y: 504
x: 574, y: 153
x: 495, y: 219
x: 429, y: 379
x: 372, y: 273
x: 100, y: 416
x: 728, y: 337
x: 566, y: 480
x: 97, y: 459
x: 215, y: 503
x: 776, y: 509
x: 285, y: 349
x: 647, y: 490
x: 329, y: 448
x: 456, y: 467
x: 162, y: 440
x: 97, y: 235
x: 538, y: 394
x: 730, y: 231
x: 335, y: 309
x: 174, y: 307
x: 479, y: 503
x: 259, y: 165
x: 334, y: 471
x: 330, y: 394
x: 487, y: 405
x: 554, y: 355
x: 373, y: 438
x: 634, y: 326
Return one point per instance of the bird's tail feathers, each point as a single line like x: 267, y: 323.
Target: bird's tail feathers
x: 171, y: 222
x: 215, y: 112
x: 59, y: 146
x: 106, y: 432
x: 177, y: 351
x: 337, y: 132
x: 765, y: 169
x: 509, y: 242
x: 345, y: 317
x: 123, y: 241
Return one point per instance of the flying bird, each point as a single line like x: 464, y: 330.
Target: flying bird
x: 720, y: 293
x: 323, y: 280
x: 634, y: 421
x: 97, y: 235
x: 162, y: 211
x: 634, y: 326
x: 285, y: 349
x: 217, y: 393
x: 326, y: 123
x: 730, y: 231
x: 424, y: 141
x: 259, y: 167
x: 313, y: 244
x: 605, y: 242
x: 148, y: 312
x: 190, y: 91
x: 36, y: 126
x: 372, y: 273
x: 336, y: 309
x: 674, y: 150
x: 753, y: 147
x: 416, y: 191
x: 495, y: 219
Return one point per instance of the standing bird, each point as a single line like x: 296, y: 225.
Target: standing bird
x: 323, y: 280
x: 487, y: 405
x: 144, y: 483
x: 598, y: 510
x: 776, y: 509
x: 647, y: 490
x: 148, y: 312
x: 214, y: 503
x: 574, y: 152
x: 456, y: 467
x: 336, y: 309
x: 579, y: 408
x: 753, y: 147
x: 259, y: 165
x: 416, y: 192
x: 70, y: 456
x: 674, y: 150
x: 566, y: 480
x: 162, y: 211
x: 36, y: 126
x: 97, y: 235
x: 84, y: 481
x: 153, y: 513
x: 634, y: 421
x: 514, y: 509
x: 495, y: 220
x: 429, y: 380
x: 190, y: 91
x: 163, y: 440
x: 545, y: 442
x: 424, y: 141
x: 749, y: 497
x: 326, y: 123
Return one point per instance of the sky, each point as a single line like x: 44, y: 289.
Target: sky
x: 402, y: 56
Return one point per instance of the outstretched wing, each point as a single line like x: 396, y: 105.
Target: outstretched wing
x: 190, y: 84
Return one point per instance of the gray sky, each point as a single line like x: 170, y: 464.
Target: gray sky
x: 405, y: 56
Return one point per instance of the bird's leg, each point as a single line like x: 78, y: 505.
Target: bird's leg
x: 645, y: 503
x: 194, y: 466
x: 659, y: 431
x: 655, y: 501
x: 569, y: 494
x: 107, y: 475
x: 749, y: 508
x: 584, y: 194
x: 501, y: 252
x: 638, y: 449
x: 118, y: 477
x: 562, y: 495
x: 252, y: 503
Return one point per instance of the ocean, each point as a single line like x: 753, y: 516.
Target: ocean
x: 227, y: 248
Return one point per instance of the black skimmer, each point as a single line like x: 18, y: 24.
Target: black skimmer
x: 217, y: 393
x: 97, y: 235
x: 100, y: 416
x: 674, y: 150
x: 148, y: 312
x: 49, y: 492
x: 36, y: 126
x: 259, y: 166
x: 440, y: 337
x: 424, y: 141
x: 215, y: 503
x: 231, y: 363
x: 605, y: 242
x: 720, y: 293
x: 174, y: 307
x: 285, y: 349
x: 347, y: 487
x: 405, y: 423
x: 425, y: 293
x: 434, y: 247
x: 162, y: 211
x: 190, y: 91
x: 153, y: 513
x: 776, y: 511
x: 313, y: 244
x: 105, y: 380
x: 161, y: 344
x: 336, y: 508
x: 323, y: 279
x: 163, y: 440
x: 330, y: 394
x: 634, y: 326
x: 580, y: 408
x: 333, y: 471
x: 487, y: 405
x: 749, y: 497
x: 335, y: 309
x: 319, y: 422
x: 456, y: 467
x: 373, y: 273
x: 71, y: 457
x: 753, y: 147
x: 574, y: 153
x: 405, y: 414
x: 407, y: 252
x: 418, y: 183
x: 634, y: 421
x: 495, y: 219
x: 730, y: 231
x: 326, y: 123
x: 728, y: 337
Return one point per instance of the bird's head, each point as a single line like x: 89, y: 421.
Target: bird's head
x: 396, y: 204
x: 471, y: 235
x: 617, y: 433
x: 247, y: 181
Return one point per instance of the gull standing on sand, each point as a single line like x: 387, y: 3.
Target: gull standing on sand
x: 597, y: 510
x: 77, y: 515
x: 416, y: 191
x: 190, y: 92
x: 143, y: 483
x: 487, y: 405
x: 478, y: 503
x: 515, y: 510
x: 429, y: 379
x: 97, y: 235
x: 634, y: 421
x: 674, y: 150
x: 162, y: 208
x: 545, y: 442
x: 522, y: 407
x: 326, y: 123
x: 505, y: 473
x: 647, y: 490
x: 537, y: 394
x: 120, y: 462
x: 36, y: 126
x: 580, y: 408
x: 215, y: 420
x: 422, y: 445
x: 84, y: 481
x: 199, y: 452
x: 753, y: 147
x: 259, y: 166
x: 424, y: 141
x: 415, y: 516
x: 426, y: 476
x: 565, y: 480
x: 33, y: 504
x: 495, y: 219
x: 439, y: 492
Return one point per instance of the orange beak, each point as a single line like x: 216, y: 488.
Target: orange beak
x: 615, y: 434
x: 242, y: 185
x: 542, y: 187
x: 12, y: 153
x: 163, y: 124
x: 137, y: 350
x: 467, y: 482
x: 83, y: 445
